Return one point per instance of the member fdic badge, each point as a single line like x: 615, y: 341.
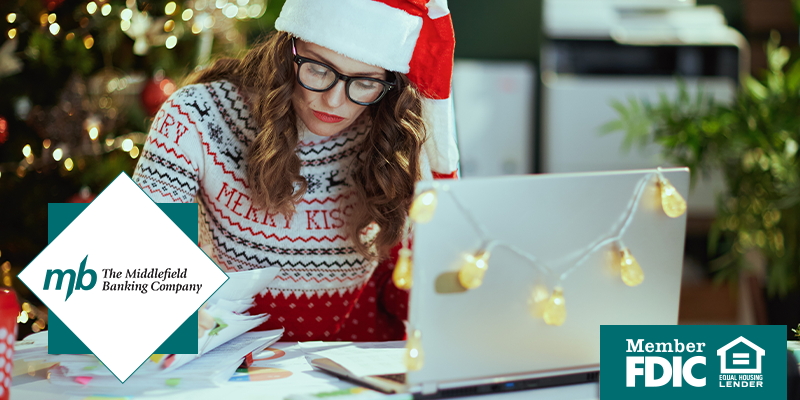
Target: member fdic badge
x: 692, y: 362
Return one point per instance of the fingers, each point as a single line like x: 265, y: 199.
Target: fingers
x: 204, y: 322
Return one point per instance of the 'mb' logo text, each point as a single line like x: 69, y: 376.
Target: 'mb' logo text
x: 677, y: 371
x: 72, y: 283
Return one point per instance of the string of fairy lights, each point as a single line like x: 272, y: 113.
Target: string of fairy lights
x: 543, y: 303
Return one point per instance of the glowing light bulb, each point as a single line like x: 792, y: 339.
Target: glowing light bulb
x: 671, y: 200
x: 26, y: 151
x: 555, y: 313
x: 423, y: 207
x: 402, y: 271
x: 473, y: 269
x: 414, y: 357
x: 57, y: 154
x: 170, y: 8
x: 127, y: 145
x: 230, y: 10
x: 630, y: 270
x: 538, y: 300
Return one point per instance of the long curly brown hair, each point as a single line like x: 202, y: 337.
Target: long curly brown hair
x: 387, y: 165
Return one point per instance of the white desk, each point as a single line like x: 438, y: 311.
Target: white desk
x: 303, y: 380
x: 41, y: 389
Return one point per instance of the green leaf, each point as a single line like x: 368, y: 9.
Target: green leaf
x: 611, y: 126
x: 778, y: 58
x: 755, y: 88
x: 617, y: 105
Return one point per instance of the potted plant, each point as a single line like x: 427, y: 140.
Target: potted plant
x: 753, y: 141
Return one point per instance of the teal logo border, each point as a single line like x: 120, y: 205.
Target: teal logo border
x: 62, y: 340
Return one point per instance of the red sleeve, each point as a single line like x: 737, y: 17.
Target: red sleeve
x: 381, y: 308
x: 394, y: 300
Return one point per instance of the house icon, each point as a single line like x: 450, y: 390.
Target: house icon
x: 746, y: 355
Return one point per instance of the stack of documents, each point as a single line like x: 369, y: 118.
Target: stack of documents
x: 213, y: 368
x: 33, y: 347
x: 226, y: 307
x: 220, y: 350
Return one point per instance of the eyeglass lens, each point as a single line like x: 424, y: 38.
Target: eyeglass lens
x: 320, y: 77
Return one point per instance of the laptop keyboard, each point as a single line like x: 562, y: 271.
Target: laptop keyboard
x: 399, y: 378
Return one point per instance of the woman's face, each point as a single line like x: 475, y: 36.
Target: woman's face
x: 328, y: 113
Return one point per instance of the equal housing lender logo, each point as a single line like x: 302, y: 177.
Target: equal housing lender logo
x: 123, y: 277
x: 692, y: 362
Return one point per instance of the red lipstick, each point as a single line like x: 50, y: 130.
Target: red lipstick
x: 331, y: 119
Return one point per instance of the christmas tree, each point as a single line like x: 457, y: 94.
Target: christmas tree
x: 80, y: 81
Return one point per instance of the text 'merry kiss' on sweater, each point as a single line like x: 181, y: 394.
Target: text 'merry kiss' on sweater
x: 196, y: 150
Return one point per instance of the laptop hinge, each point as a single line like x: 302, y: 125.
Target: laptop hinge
x: 429, y: 388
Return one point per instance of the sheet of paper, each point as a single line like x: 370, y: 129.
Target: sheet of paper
x: 235, y: 325
x: 235, y: 306
x: 365, y: 359
x: 245, y: 284
x: 32, y: 347
x: 234, y: 349
x: 223, y: 341
x: 214, y: 368
x: 283, y: 355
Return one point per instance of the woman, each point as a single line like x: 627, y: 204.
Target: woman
x: 304, y: 155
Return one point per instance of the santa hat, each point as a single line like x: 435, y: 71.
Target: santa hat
x: 414, y: 37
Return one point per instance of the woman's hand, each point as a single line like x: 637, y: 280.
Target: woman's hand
x: 204, y: 321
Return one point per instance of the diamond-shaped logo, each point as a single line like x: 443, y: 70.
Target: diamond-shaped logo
x: 123, y: 277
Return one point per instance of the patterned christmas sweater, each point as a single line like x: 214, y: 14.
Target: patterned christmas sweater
x: 196, y: 151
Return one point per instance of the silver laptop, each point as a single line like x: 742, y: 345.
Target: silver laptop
x: 488, y: 339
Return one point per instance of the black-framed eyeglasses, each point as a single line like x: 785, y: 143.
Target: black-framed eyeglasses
x: 319, y: 77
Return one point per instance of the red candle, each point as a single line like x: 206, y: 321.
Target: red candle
x: 9, y: 310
